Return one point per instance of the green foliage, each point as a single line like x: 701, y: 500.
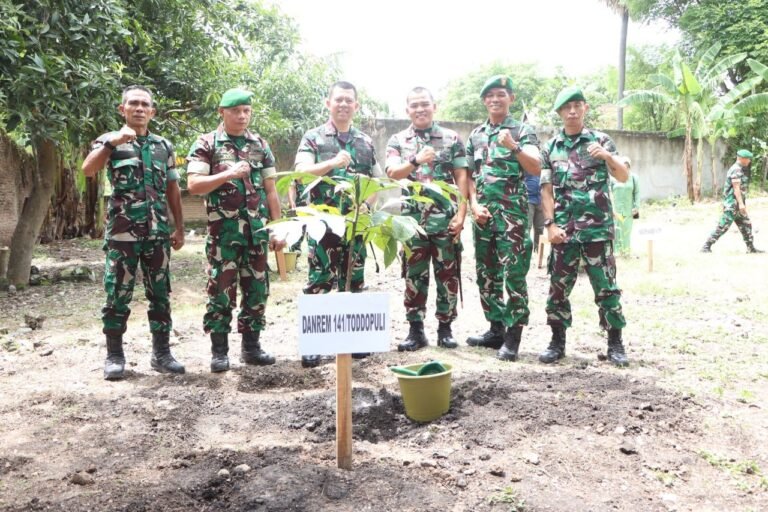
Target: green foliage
x: 535, y: 94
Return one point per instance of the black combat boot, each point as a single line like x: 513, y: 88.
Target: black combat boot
x: 616, y: 353
x: 416, y: 338
x: 445, y: 337
x: 219, y: 351
x: 706, y: 248
x: 250, y: 350
x: 492, y: 338
x: 162, y: 361
x: 556, y: 348
x: 752, y: 249
x: 508, y: 351
x: 310, y: 361
x: 114, y: 365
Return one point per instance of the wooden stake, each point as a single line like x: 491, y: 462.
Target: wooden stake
x: 280, y: 258
x: 541, y: 253
x: 344, y: 411
x: 650, y: 255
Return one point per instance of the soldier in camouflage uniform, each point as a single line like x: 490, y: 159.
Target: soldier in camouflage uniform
x: 576, y: 164
x: 141, y: 167
x: 235, y: 168
x: 500, y: 152
x: 427, y: 152
x: 735, y: 203
x: 337, y: 150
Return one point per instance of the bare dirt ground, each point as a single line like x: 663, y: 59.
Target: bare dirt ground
x: 683, y: 428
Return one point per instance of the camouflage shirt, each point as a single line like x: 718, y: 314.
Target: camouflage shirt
x: 741, y: 174
x: 580, y: 185
x: 499, y: 178
x: 323, y: 143
x: 237, y: 210
x: 449, y: 155
x: 139, y: 173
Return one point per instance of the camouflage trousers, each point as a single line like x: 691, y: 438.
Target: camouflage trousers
x: 123, y: 260
x: 502, y: 260
x: 328, y: 261
x: 228, y: 263
x: 445, y: 256
x: 728, y: 218
x: 600, y: 265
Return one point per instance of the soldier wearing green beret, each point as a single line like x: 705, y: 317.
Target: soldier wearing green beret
x: 141, y: 167
x: 735, y: 203
x: 235, y: 169
x: 426, y: 152
x: 340, y: 151
x: 499, y: 152
x: 578, y: 216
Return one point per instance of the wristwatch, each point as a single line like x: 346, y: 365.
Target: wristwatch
x: 412, y: 160
x: 518, y: 149
x: 109, y: 145
x: 548, y: 222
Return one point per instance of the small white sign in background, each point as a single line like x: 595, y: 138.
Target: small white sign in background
x: 343, y: 323
x: 649, y: 231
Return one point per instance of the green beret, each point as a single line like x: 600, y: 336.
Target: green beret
x: 744, y: 153
x: 568, y: 94
x: 235, y: 97
x: 496, y: 81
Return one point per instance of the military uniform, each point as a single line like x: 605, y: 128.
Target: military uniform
x: 137, y: 232
x: 502, y: 246
x: 328, y: 258
x: 438, y: 244
x: 731, y: 212
x: 236, y: 246
x: 583, y: 209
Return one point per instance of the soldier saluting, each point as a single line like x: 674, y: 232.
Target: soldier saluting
x: 141, y: 167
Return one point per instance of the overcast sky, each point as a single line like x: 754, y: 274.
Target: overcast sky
x: 387, y: 47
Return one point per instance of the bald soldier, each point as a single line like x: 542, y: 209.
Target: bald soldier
x: 735, y: 203
x: 578, y: 217
x: 499, y: 152
x: 426, y: 152
x: 235, y: 169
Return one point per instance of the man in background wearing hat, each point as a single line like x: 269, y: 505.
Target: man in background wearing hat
x: 578, y: 216
x: 423, y: 152
x: 340, y: 151
x: 235, y: 169
x: 735, y: 203
x: 141, y: 167
x: 500, y: 151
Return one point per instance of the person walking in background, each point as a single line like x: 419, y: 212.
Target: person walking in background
x: 235, y: 169
x: 535, y: 215
x: 626, y: 208
x: 576, y: 200
x: 141, y: 167
x: 735, y: 203
x: 425, y: 152
x: 499, y: 152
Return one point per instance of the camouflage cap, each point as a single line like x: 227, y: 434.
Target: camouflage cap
x: 744, y: 153
x: 568, y: 94
x: 496, y: 81
x: 235, y: 97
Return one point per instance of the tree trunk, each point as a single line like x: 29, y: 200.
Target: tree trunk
x: 622, y: 66
x: 699, y: 165
x: 688, y: 157
x: 714, y: 167
x: 33, y: 213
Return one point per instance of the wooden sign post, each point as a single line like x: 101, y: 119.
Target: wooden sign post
x: 280, y: 259
x: 341, y: 324
x: 649, y: 232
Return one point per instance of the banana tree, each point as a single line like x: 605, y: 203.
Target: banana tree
x: 695, y: 94
x: 354, y: 220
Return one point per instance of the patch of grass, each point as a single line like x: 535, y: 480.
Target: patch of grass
x: 666, y: 478
x: 740, y: 470
x: 509, y: 497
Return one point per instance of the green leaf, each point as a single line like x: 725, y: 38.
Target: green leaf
x: 404, y: 228
x: 390, y: 252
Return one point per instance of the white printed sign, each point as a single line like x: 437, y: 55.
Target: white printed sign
x: 343, y: 323
x: 649, y: 231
